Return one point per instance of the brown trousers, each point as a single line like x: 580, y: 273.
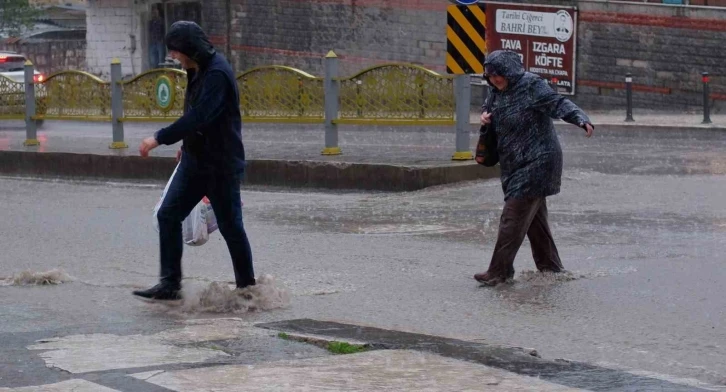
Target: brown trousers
x: 522, y: 217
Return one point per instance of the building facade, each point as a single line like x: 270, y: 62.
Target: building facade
x: 120, y: 29
x: 665, y: 47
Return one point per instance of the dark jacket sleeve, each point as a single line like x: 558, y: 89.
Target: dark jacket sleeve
x: 547, y: 101
x: 210, y: 105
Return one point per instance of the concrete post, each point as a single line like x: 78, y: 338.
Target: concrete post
x: 462, y: 94
x: 629, y: 97
x: 706, y: 98
x: 31, y: 127
x: 331, y: 86
x: 117, y: 106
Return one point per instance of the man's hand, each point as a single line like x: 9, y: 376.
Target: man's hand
x: 147, y: 145
x: 486, y: 118
x: 588, y: 130
x: 178, y: 155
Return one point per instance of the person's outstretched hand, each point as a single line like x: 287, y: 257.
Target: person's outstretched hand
x: 588, y: 130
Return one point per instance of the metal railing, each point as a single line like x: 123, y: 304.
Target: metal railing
x: 388, y: 94
x: 12, y: 99
x: 281, y: 94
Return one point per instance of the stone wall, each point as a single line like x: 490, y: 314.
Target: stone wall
x: 665, y: 47
x: 113, y: 31
x: 51, y: 56
x: 362, y: 32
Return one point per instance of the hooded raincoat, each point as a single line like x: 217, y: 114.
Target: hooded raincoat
x: 212, y: 161
x: 530, y: 155
x: 211, y: 126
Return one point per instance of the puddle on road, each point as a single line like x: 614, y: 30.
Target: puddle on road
x: 31, y: 278
x: 536, y: 278
x: 531, y: 278
x: 412, y: 229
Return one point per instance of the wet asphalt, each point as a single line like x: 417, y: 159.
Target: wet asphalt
x: 640, y: 224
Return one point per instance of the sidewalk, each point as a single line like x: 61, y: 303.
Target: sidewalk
x: 374, y: 158
x: 656, y: 121
x: 215, y: 354
x: 385, y: 158
x: 650, y: 121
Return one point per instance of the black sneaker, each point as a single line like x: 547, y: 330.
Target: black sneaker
x: 162, y: 292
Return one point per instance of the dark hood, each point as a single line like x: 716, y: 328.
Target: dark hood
x: 189, y: 39
x: 504, y: 63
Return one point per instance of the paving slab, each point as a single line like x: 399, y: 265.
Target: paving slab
x: 388, y: 370
x: 64, y: 386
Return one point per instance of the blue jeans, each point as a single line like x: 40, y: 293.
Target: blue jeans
x: 188, y: 187
x: 156, y: 54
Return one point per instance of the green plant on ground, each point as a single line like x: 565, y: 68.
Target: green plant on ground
x: 345, y: 348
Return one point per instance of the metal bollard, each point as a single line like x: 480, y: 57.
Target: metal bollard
x: 331, y: 88
x: 117, y: 107
x: 462, y: 94
x: 629, y: 97
x: 706, y: 97
x: 31, y: 127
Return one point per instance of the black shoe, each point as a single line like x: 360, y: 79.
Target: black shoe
x: 162, y: 292
x: 250, y: 283
x: 488, y: 279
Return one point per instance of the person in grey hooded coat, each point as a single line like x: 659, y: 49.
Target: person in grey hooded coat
x: 519, y: 109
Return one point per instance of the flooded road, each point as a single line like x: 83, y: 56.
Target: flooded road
x: 640, y: 225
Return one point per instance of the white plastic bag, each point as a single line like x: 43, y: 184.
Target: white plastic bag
x: 161, y: 200
x: 198, y: 225
x: 194, y: 227
x: 211, y: 218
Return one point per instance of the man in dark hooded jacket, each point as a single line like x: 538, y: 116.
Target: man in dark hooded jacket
x: 520, y: 109
x: 212, y: 159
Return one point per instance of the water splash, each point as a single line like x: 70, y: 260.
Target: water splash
x: 537, y: 278
x: 31, y: 278
x: 220, y: 298
x: 546, y: 278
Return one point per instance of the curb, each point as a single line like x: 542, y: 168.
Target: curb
x: 323, y: 341
x: 525, y: 362
x: 286, y: 173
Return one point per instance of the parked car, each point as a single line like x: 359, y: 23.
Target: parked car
x: 12, y: 66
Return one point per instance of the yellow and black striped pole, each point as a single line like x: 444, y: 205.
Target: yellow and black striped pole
x: 466, y: 45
